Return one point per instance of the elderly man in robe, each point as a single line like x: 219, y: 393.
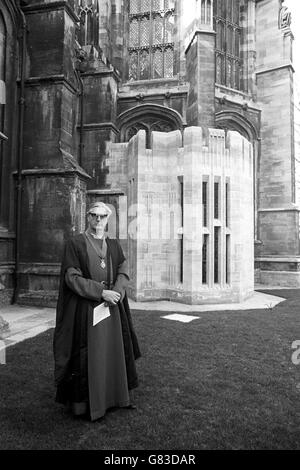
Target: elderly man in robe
x: 94, y: 363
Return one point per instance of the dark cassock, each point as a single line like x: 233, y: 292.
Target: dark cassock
x: 94, y: 365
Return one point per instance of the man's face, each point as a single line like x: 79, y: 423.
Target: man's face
x: 97, y: 218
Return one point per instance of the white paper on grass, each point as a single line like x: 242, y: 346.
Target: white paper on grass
x: 181, y: 318
x: 100, y: 313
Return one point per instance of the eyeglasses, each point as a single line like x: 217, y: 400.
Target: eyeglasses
x: 95, y: 216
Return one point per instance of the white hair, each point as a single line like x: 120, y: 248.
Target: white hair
x: 99, y: 204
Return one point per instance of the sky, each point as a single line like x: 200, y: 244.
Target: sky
x: 294, y: 7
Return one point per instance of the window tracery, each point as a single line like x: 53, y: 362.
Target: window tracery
x: 151, y: 46
x: 88, y: 12
x: 228, y: 54
x: 206, y: 12
x: 149, y: 125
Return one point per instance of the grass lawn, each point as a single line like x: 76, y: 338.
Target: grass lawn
x: 224, y: 381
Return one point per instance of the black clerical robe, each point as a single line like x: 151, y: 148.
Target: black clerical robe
x: 93, y: 364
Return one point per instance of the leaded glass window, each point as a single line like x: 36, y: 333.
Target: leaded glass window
x: 88, y: 12
x: 228, y: 55
x: 151, y: 46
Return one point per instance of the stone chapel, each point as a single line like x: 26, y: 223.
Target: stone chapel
x: 179, y: 114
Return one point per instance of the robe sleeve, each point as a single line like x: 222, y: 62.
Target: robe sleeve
x: 83, y: 287
x: 123, y: 279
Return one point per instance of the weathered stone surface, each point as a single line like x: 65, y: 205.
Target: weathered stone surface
x: 4, y: 326
x: 151, y: 181
x: 200, y: 66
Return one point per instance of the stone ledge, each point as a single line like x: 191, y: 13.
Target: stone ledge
x: 275, y: 69
x: 57, y: 79
x: 40, y: 268
x: 4, y: 326
x: 96, y: 126
x: 206, y: 297
x: 280, y: 278
x: 259, y: 300
x: 105, y: 192
x: 52, y: 6
x: 278, y: 259
x: 38, y: 298
x: 3, y: 136
x: 5, y: 234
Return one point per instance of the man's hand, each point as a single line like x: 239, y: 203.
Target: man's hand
x: 111, y: 296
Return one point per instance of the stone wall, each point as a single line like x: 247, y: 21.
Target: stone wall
x: 8, y: 150
x: 53, y: 184
x: 164, y: 187
x: 297, y: 136
x: 99, y: 116
x: 278, y: 213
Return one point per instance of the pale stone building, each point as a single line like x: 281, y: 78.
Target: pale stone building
x: 181, y: 114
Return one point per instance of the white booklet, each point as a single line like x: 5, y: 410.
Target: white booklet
x: 100, y: 313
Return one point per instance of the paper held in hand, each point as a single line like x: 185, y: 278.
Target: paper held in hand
x: 100, y: 313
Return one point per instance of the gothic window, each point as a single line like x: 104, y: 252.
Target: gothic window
x: 88, y: 12
x: 228, y: 56
x: 151, y: 46
x: 148, y: 124
x: 206, y: 12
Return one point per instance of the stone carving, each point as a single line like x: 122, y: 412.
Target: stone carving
x: 285, y: 19
x: 81, y: 57
x: 140, y: 97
